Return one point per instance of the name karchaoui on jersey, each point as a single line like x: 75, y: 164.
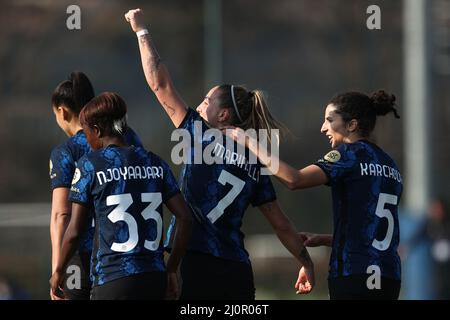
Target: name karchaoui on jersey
x: 366, y: 192
x: 380, y: 170
x: 367, y: 168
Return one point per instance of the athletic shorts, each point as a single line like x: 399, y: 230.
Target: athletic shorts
x: 76, y: 284
x: 356, y: 288
x: 205, y: 277
x: 142, y: 286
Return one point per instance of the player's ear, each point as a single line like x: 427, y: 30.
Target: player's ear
x: 224, y: 115
x: 352, y: 125
x: 66, y: 114
x: 97, y: 131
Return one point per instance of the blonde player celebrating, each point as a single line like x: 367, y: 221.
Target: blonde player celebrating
x: 217, y: 266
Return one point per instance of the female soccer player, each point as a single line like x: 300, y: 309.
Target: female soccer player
x: 68, y: 99
x: 366, y: 187
x: 217, y: 266
x: 126, y: 187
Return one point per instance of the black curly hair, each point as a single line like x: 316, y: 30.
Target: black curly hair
x: 364, y: 109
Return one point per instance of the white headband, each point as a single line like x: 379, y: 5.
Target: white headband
x: 234, y: 103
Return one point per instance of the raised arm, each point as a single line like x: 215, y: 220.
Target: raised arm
x: 156, y: 73
x: 70, y: 243
x: 288, y: 236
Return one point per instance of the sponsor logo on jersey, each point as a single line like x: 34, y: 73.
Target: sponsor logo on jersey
x: 333, y: 156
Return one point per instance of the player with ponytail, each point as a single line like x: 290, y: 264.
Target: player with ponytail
x: 217, y: 266
x: 366, y: 189
x: 69, y: 97
x: 124, y: 188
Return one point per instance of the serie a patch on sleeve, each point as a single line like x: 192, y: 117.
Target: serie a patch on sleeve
x: 332, y: 156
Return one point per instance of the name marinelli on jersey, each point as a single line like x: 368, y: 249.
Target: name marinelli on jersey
x: 378, y: 170
x: 129, y: 173
x: 237, y: 159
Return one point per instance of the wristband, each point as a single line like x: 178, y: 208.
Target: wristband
x: 141, y: 32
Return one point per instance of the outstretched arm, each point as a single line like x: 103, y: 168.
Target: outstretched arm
x: 287, y: 234
x: 292, y: 178
x: 156, y: 73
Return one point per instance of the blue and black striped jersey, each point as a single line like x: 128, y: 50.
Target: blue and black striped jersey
x: 126, y: 188
x: 219, y: 194
x: 366, y: 189
x: 63, y: 160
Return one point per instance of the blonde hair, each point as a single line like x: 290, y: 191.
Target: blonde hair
x: 252, y: 108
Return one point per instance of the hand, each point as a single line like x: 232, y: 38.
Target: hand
x: 238, y: 135
x: 231, y: 132
x: 56, y: 292
x: 173, y: 287
x: 136, y: 19
x: 55, y: 297
x: 311, y: 239
x: 306, y: 280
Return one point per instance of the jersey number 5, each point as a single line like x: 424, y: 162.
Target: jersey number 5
x: 382, y: 212
x: 123, y: 202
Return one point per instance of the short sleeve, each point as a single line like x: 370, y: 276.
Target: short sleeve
x: 82, y: 182
x: 337, y: 164
x: 170, y: 187
x: 264, y: 192
x: 189, y: 119
x: 62, y: 167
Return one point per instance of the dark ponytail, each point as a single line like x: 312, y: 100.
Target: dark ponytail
x: 73, y: 93
x: 384, y: 103
x: 364, y: 109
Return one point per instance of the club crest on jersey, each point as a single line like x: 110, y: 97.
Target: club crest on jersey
x: 76, y: 176
x: 333, y: 156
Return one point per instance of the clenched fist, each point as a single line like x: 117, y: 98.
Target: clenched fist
x: 136, y: 19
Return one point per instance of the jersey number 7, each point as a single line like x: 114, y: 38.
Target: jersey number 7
x: 237, y: 186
